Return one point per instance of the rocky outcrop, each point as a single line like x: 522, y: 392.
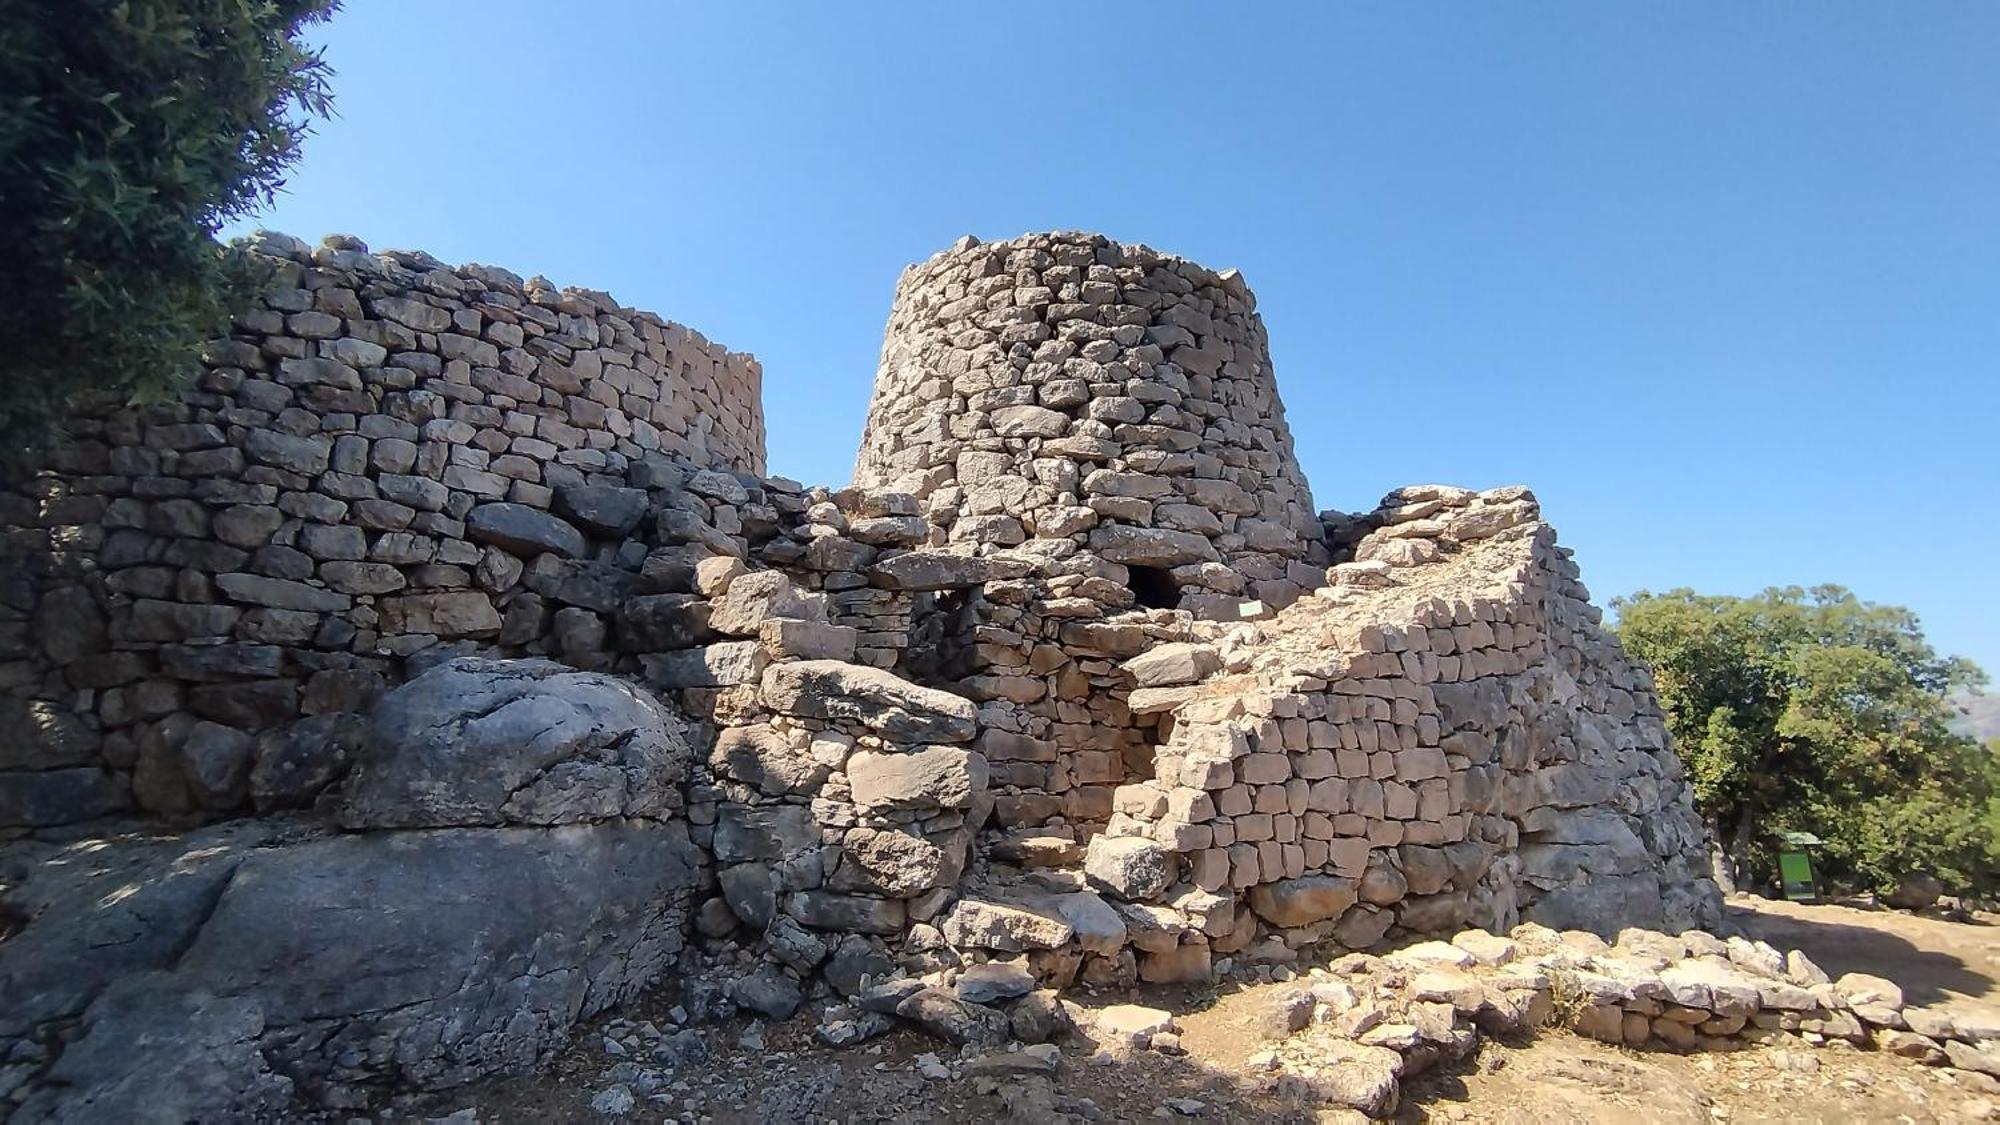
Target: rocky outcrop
x: 489, y: 742
x: 325, y: 968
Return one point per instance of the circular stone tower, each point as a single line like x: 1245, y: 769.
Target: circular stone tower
x: 1068, y: 387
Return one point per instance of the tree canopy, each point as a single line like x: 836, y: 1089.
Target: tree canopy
x: 1814, y: 711
x: 130, y: 131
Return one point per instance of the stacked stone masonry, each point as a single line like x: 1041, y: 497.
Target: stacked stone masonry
x: 359, y: 474
x: 1065, y: 387
x: 1070, y: 685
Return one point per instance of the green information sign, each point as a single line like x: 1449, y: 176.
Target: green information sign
x: 1795, y: 869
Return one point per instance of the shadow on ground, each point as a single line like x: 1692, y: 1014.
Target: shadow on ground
x: 1927, y: 976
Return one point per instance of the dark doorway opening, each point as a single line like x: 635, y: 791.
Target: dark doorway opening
x: 1153, y: 586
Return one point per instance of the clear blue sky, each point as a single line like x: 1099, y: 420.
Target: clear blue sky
x: 1720, y: 281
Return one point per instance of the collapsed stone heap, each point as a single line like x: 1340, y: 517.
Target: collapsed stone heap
x: 1351, y: 1032
x: 1065, y: 678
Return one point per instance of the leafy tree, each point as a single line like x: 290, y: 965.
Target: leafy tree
x: 130, y: 130
x: 1811, y: 710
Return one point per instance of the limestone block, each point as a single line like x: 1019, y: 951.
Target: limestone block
x: 883, y: 702
x: 931, y: 777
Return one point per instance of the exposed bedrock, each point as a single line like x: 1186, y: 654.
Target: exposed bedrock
x: 322, y: 967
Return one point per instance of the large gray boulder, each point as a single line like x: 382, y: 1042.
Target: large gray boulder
x: 489, y: 742
x: 414, y: 959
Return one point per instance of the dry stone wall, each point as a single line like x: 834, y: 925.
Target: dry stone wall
x: 1071, y: 685
x: 1441, y: 740
x: 1065, y: 387
x: 386, y: 454
x: 1441, y: 736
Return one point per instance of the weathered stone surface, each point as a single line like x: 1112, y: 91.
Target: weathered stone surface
x: 45, y: 798
x: 897, y: 863
x: 1131, y: 1025
x: 785, y: 638
x: 768, y: 991
x: 1362, y: 1078
x: 494, y: 930
x: 948, y: 1017
x: 881, y: 701
x: 1303, y: 901
x: 1009, y: 927
x: 762, y: 832
x: 994, y: 980
x: 605, y: 511
x: 663, y: 622
x: 294, y: 764
x: 859, y: 914
x: 1171, y: 664
x: 279, y: 593
x: 1132, y: 868
x: 216, y: 761
x: 452, y: 613
x: 755, y: 598
x: 477, y: 741
x: 930, y: 570
x: 1151, y: 546
x: 723, y: 664
x: 523, y: 531
x: 44, y: 735
x: 761, y: 758
x: 928, y: 777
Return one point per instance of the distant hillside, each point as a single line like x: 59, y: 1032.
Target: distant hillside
x: 1979, y: 715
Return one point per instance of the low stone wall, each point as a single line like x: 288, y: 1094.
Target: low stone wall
x: 361, y: 472
x: 1352, y: 1031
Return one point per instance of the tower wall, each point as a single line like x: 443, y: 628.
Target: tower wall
x: 1068, y: 387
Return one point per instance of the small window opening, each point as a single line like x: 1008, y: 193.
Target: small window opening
x: 1153, y: 586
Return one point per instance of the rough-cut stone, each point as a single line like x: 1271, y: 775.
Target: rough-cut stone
x: 881, y: 701
x: 295, y: 763
x: 1170, y: 664
x: 45, y: 798
x: 1303, y: 901
x: 1131, y: 868
x: 216, y: 761
x: 523, y: 531
x: 1009, y: 927
x: 994, y: 980
x: 896, y: 863
x: 605, y: 511
x: 929, y: 777
x: 755, y: 598
x: 930, y: 570
x: 44, y: 735
x: 452, y: 613
x: 760, y: 757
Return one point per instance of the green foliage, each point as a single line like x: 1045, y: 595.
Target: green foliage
x: 1813, y: 711
x: 130, y: 130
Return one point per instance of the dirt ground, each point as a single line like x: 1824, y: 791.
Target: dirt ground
x: 1941, y: 963
x: 779, y: 1074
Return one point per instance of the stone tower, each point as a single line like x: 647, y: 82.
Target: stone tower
x: 1067, y: 387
